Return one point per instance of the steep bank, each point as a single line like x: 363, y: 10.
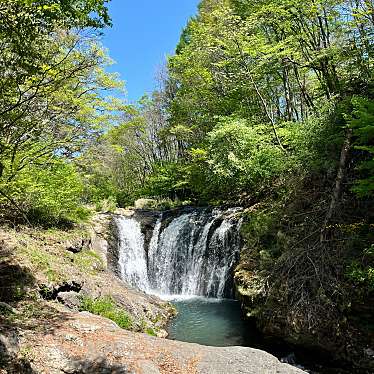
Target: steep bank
x: 307, y: 288
x: 68, y: 266
x: 44, y: 272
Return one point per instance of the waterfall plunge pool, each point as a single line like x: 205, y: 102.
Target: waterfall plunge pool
x: 214, y: 322
x: 220, y: 323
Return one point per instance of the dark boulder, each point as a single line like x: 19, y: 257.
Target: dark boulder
x: 77, y: 245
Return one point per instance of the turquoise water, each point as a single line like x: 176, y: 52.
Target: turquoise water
x: 219, y: 322
x: 215, y: 322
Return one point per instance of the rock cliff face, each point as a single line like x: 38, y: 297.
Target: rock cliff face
x: 273, y: 319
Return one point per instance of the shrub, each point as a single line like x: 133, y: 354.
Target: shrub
x: 49, y: 195
x: 361, y: 271
x: 107, y: 205
x: 361, y: 121
x: 106, y: 307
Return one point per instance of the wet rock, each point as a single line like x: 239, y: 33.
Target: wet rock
x: 112, y: 248
x: 147, y: 220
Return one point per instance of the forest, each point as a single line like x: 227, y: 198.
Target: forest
x: 265, y: 104
x: 259, y: 97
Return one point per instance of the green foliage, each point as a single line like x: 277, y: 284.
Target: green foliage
x: 25, y: 30
x: 260, y: 224
x: 106, y: 307
x: 251, y: 96
x: 361, y: 121
x: 243, y: 157
x: 52, y: 84
x: 242, y: 108
x: 106, y: 205
x: 169, y: 180
x: 119, y: 164
x: 48, y: 195
x: 239, y: 156
x: 361, y: 272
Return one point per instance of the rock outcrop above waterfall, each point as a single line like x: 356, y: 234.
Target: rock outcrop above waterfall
x: 85, y: 343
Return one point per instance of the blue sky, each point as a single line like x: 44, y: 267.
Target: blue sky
x: 143, y: 33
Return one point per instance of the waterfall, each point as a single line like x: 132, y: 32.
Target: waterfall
x: 192, y: 254
x: 132, y: 260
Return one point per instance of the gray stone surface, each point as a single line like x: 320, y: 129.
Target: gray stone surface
x: 241, y: 360
x: 84, y: 342
x: 69, y: 299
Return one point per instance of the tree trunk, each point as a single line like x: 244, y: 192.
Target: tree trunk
x: 338, y: 182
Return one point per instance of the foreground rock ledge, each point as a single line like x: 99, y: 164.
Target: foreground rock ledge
x: 85, y: 343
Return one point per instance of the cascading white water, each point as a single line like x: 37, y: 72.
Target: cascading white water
x: 153, y: 245
x: 219, y: 270
x: 196, y: 261
x: 169, y: 256
x: 132, y: 260
x: 193, y: 255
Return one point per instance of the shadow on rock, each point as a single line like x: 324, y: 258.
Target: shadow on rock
x: 21, y: 310
x: 102, y: 366
x: 14, y: 279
